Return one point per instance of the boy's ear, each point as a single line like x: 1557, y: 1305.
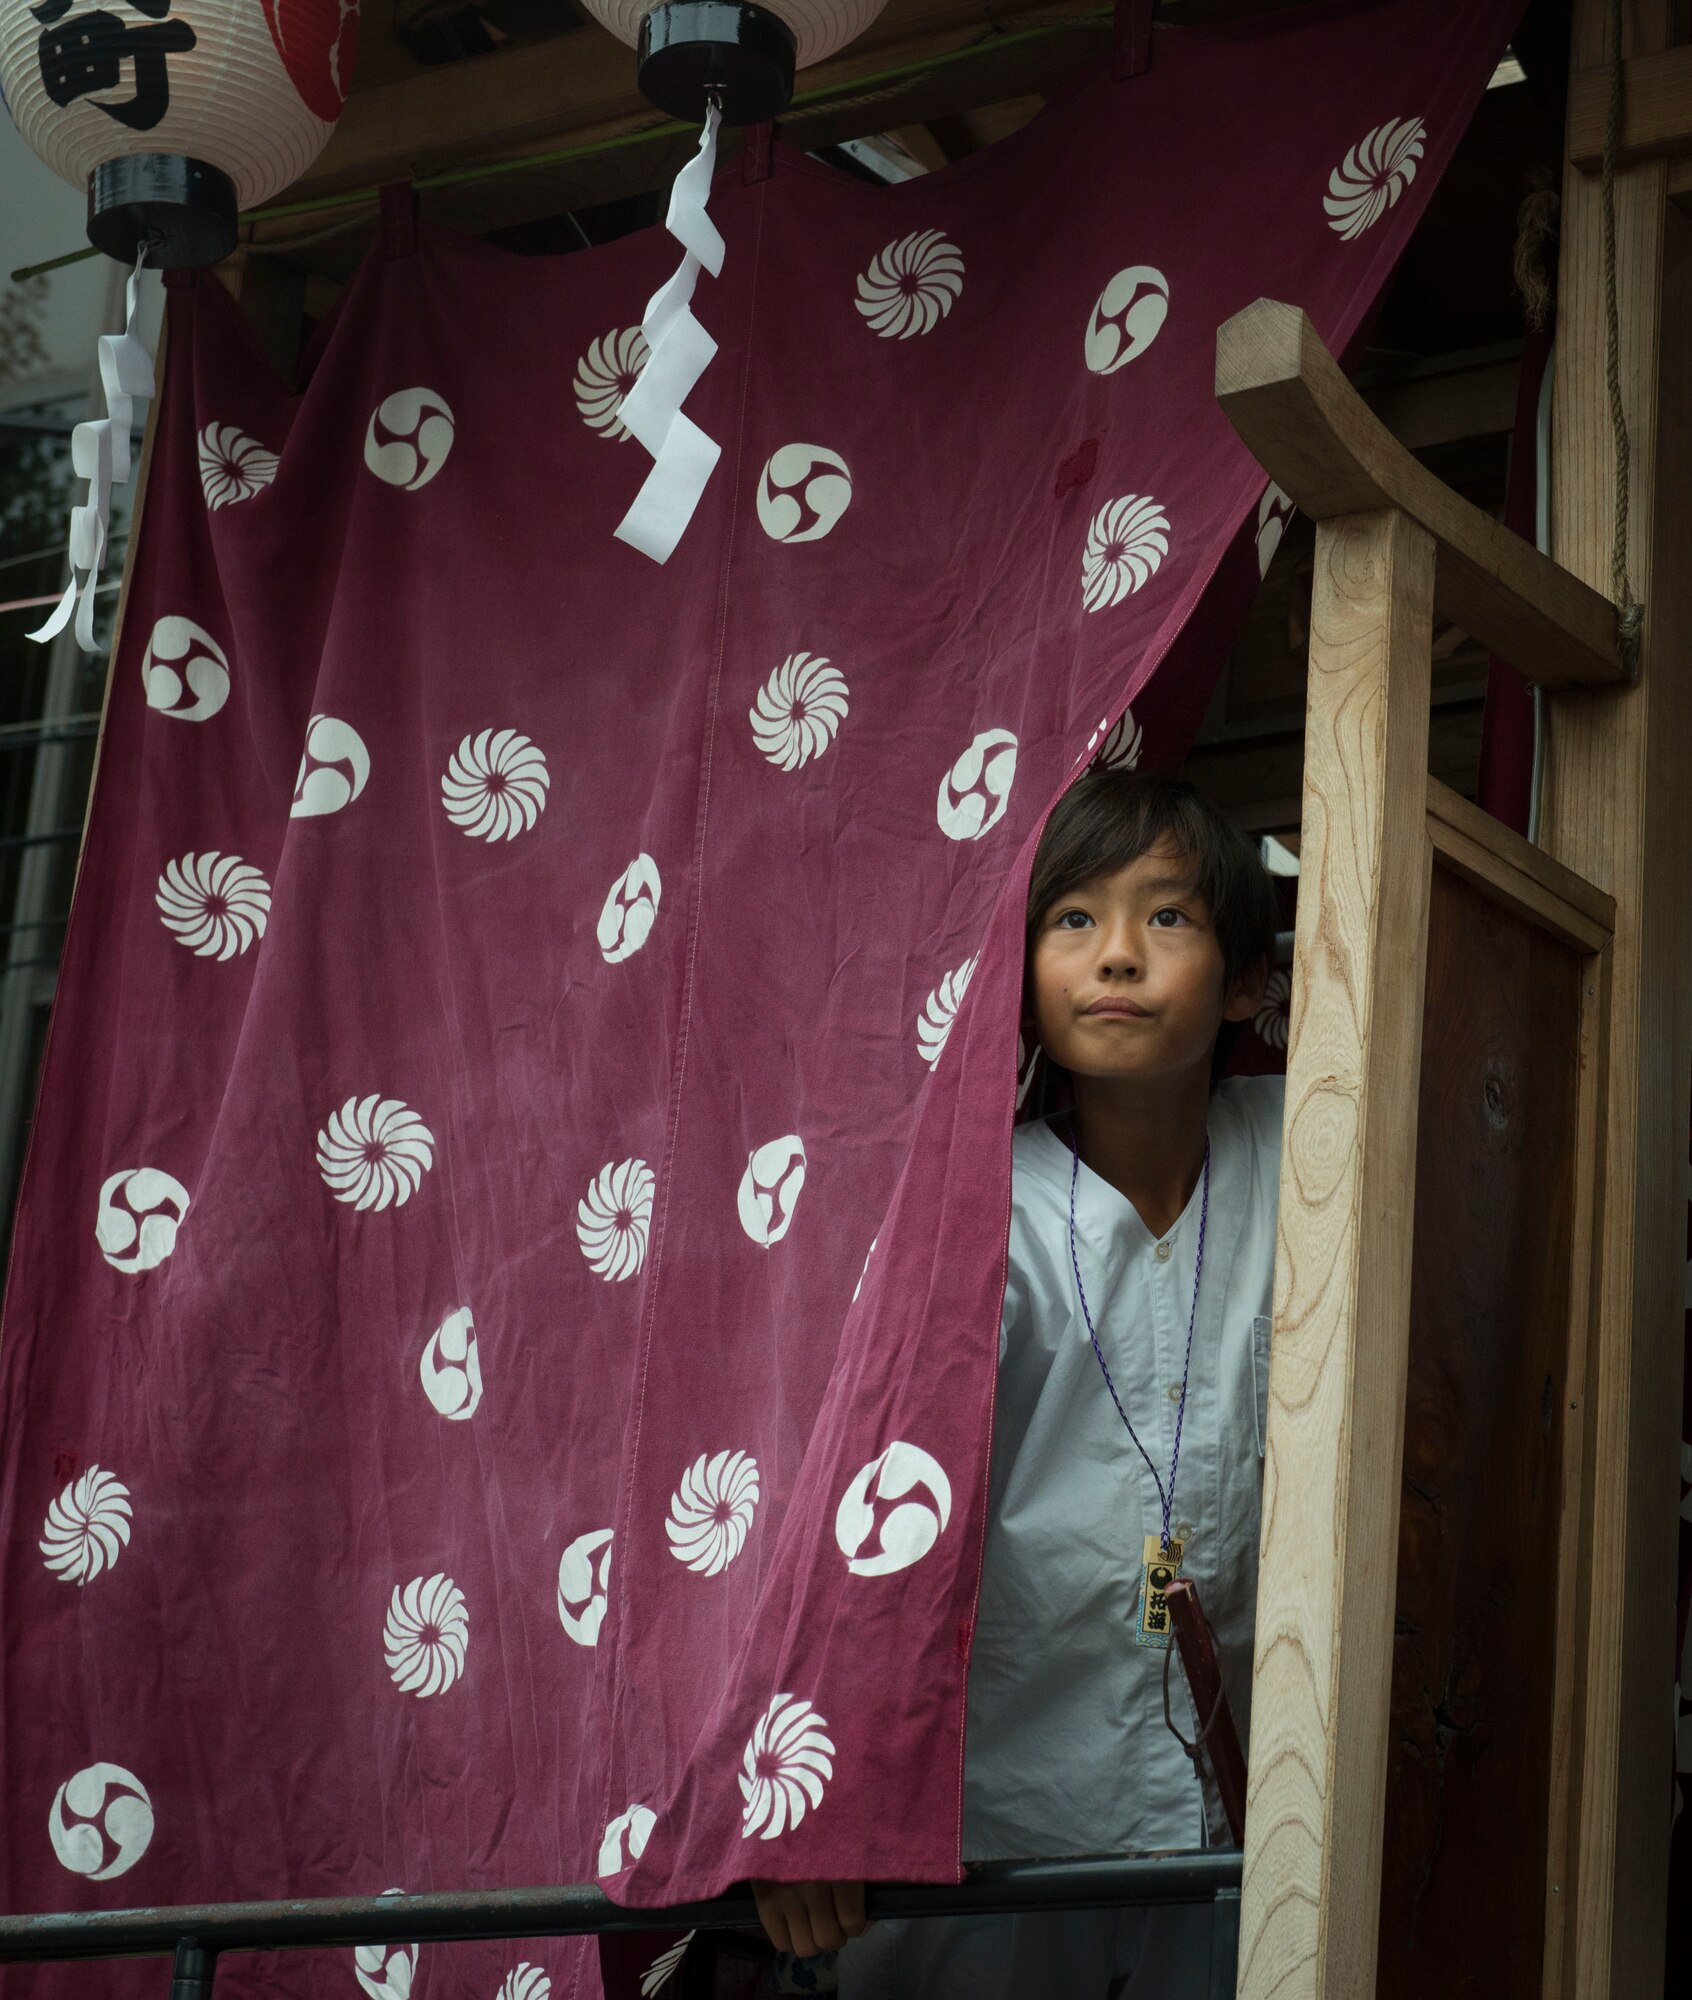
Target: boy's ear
x: 1247, y: 995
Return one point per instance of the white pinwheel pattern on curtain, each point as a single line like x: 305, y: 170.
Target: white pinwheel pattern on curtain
x: 178, y: 652
x: 798, y: 710
x: 605, y: 375
x: 1273, y: 1016
x: 911, y: 285
x: 788, y: 1763
x: 624, y: 1840
x: 141, y: 1209
x: 408, y: 438
x: 334, y: 768
x: 614, y: 1217
x: 233, y: 466
x: 215, y: 904
x: 386, y: 1971
x: 802, y: 492
x: 426, y: 1635
x: 1119, y: 749
x: 665, y: 1966
x: 1127, y: 317
x: 939, y: 1010
x: 100, y: 1822
x: 374, y: 1152
x: 711, y: 1511
x: 525, y: 1982
x: 769, y: 1188
x: 1126, y: 542
x: 87, y: 1527
x: 1373, y: 174
x: 631, y: 909
x: 451, y: 1367
x: 584, y: 1585
x: 495, y: 785
x: 1274, y: 511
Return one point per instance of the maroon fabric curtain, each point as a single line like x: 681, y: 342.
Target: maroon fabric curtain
x: 500, y: 1346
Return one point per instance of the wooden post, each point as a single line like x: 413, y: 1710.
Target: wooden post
x: 1617, y: 807
x: 1323, y: 1667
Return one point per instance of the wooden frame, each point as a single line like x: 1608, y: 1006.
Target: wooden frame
x: 1374, y: 827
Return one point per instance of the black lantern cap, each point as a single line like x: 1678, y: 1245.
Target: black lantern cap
x: 183, y: 210
x: 694, y: 50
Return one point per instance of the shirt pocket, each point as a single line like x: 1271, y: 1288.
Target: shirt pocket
x: 1261, y: 1331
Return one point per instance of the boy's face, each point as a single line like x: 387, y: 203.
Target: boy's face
x: 1126, y: 974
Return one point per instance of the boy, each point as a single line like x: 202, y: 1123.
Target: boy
x: 1133, y: 1360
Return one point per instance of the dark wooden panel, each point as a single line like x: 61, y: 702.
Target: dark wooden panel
x: 1463, y: 1880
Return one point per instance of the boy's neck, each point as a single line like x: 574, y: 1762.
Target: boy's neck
x: 1146, y: 1136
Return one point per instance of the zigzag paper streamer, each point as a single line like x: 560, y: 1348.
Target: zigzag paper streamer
x: 683, y: 456
x: 100, y: 454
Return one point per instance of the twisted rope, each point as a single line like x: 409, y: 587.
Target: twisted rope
x: 1630, y: 614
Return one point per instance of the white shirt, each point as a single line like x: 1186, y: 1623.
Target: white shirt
x: 1067, y: 1751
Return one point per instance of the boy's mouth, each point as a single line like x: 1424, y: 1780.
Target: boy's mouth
x: 1117, y: 1009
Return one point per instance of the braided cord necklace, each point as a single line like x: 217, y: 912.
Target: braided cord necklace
x: 1166, y: 1495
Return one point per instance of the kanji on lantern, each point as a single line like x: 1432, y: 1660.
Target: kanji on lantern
x: 87, y: 52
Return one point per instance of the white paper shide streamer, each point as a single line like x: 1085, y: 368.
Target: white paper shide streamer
x: 100, y: 454
x: 680, y: 351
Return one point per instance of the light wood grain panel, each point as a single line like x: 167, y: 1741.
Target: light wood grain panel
x: 1322, y: 1672
x: 1618, y: 810
x: 1315, y: 436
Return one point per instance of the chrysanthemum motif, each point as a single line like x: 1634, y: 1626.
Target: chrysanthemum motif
x: 386, y: 1971
x: 426, y: 1635
x: 87, y: 1527
x: 495, y: 785
x: 711, y: 1511
x: 798, y: 710
x: 525, y: 1982
x: 180, y: 652
x: 631, y: 909
x: 374, y: 1152
x: 665, y: 1966
x: 605, y: 375
x: 1126, y: 541
x: 233, y: 466
x: 1373, y: 175
x: 1274, y: 1010
x: 100, y: 1822
x: 451, y: 1367
x: 215, y: 904
x: 613, y: 1217
x: 788, y: 1761
x: 584, y: 1585
x: 624, y: 1841
x: 940, y: 1009
x: 910, y: 286
x: 1114, y: 746
x: 1274, y: 511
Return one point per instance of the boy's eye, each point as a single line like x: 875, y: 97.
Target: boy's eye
x: 1174, y: 916
x: 1080, y: 918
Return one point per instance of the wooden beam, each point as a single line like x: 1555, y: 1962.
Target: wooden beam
x: 1656, y: 109
x: 1315, y: 436
x: 1517, y: 874
x: 580, y: 90
x: 1617, y: 809
x: 1322, y: 1670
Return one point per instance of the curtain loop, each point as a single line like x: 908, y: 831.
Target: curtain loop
x: 399, y: 218
x: 1131, y: 38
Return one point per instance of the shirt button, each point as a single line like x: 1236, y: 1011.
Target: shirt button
x: 1174, y: 1392
x: 1184, y: 1533
x: 1163, y: 1252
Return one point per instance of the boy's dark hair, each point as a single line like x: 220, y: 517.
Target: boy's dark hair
x: 1110, y: 818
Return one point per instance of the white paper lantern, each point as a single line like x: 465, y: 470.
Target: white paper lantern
x: 174, y: 113
x: 745, y: 53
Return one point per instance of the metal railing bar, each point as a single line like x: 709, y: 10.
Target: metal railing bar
x: 999, y: 1887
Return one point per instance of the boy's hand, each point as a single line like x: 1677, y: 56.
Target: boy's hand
x: 808, y: 1917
